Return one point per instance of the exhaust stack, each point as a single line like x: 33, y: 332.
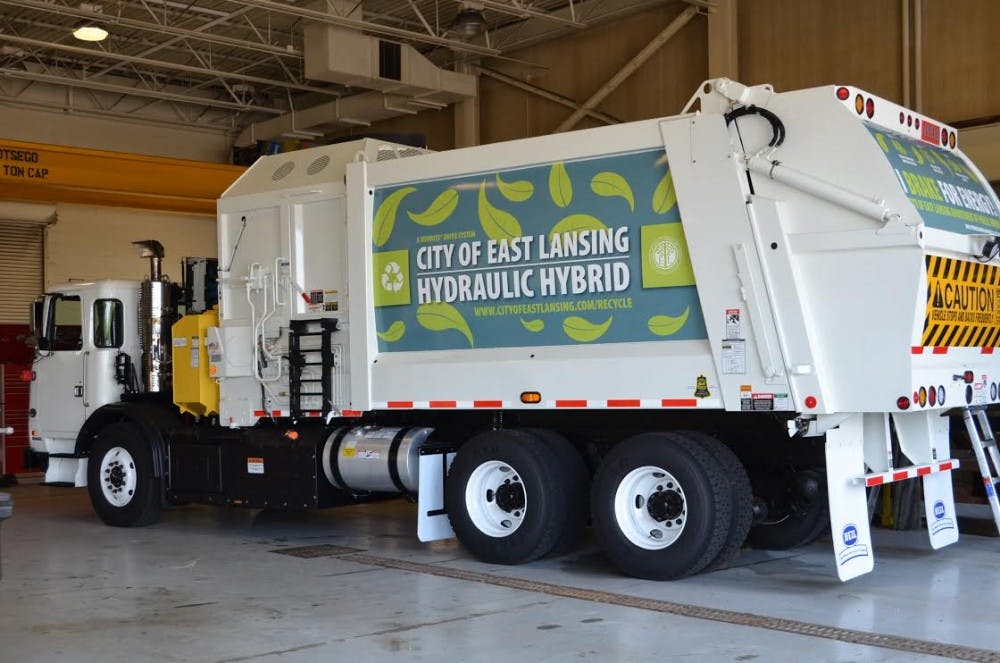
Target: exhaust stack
x: 157, y: 314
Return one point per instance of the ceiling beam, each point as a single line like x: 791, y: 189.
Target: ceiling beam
x: 545, y: 94
x: 630, y: 67
x: 111, y: 20
x: 160, y: 64
x: 516, y: 9
x: 163, y: 95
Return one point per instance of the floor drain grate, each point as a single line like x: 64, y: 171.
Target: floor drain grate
x: 311, y: 552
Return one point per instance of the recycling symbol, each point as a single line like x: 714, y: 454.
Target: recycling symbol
x: 392, y: 277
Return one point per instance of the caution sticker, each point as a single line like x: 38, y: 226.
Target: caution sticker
x: 963, y: 304
x: 255, y: 465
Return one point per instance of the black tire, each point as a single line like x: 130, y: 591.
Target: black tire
x: 578, y: 488
x: 707, y: 503
x: 144, y: 505
x: 546, y: 489
x: 741, y: 495
x: 792, y: 521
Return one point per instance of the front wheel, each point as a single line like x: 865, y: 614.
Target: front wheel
x: 508, y: 497
x: 662, y: 506
x: 120, y: 478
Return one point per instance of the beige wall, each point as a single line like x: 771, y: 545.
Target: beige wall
x: 88, y: 243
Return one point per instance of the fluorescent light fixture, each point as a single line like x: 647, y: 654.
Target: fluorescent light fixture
x: 90, y: 32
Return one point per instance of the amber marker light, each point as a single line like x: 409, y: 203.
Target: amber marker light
x: 531, y: 397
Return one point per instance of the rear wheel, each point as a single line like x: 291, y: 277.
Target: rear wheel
x: 508, y: 497
x: 120, y: 478
x: 741, y: 495
x: 797, y: 511
x: 578, y: 487
x: 662, y: 506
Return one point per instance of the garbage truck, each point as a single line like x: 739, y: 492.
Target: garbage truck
x: 688, y: 333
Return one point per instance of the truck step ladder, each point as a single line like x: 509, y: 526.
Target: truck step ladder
x: 984, y: 444
x: 310, y: 358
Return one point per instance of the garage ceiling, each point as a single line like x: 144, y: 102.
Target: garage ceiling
x: 226, y: 64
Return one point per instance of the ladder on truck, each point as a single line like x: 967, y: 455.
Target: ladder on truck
x: 984, y: 444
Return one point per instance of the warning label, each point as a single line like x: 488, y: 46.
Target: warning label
x: 963, y: 304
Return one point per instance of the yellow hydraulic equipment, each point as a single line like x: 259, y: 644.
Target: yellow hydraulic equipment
x: 195, y: 391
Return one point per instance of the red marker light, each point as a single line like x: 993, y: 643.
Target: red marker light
x: 903, y: 403
x: 944, y: 136
x: 932, y: 396
x: 27, y: 375
x: 909, y: 120
x: 916, y: 123
x: 870, y: 108
x: 810, y: 402
x: 968, y: 376
x: 902, y: 117
x: 843, y: 93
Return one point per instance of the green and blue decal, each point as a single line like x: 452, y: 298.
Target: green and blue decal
x: 946, y: 192
x: 565, y: 253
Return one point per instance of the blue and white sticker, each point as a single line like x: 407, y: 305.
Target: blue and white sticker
x: 852, y: 549
x: 941, y: 521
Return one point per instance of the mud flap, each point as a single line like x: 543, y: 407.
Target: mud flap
x: 432, y: 519
x: 924, y: 438
x: 939, y: 509
x: 852, y: 545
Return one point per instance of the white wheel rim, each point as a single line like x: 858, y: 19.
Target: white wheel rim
x: 118, y: 476
x: 650, y: 508
x: 495, y: 498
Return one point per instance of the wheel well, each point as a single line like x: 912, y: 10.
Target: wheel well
x: 154, y: 419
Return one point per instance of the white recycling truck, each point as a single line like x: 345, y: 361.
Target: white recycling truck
x: 690, y: 331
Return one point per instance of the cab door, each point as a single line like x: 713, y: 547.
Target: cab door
x: 58, y: 393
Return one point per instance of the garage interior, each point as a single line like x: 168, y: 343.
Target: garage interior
x: 135, y: 136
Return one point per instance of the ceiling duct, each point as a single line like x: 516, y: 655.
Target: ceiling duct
x: 353, y: 59
x: 392, y: 80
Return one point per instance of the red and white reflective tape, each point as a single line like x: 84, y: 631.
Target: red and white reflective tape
x: 943, y: 350
x: 274, y: 413
x: 559, y: 404
x: 903, y: 473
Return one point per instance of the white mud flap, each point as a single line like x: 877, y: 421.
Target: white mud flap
x: 432, y: 519
x: 939, y: 508
x: 852, y: 544
x: 67, y: 470
x: 923, y: 437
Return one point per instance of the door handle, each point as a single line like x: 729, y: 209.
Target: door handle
x: 83, y: 387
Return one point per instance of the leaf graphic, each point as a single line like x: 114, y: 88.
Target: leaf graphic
x: 496, y: 223
x: 611, y: 185
x: 439, y: 210
x: 576, y: 223
x: 665, y: 325
x: 533, y: 325
x: 516, y: 192
x: 664, y: 198
x: 583, y: 330
x: 559, y: 185
x: 394, y: 332
x: 385, y: 217
x: 438, y: 316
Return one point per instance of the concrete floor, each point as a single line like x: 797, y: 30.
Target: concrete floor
x: 206, y: 585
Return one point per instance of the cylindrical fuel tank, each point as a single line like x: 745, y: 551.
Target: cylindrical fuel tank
x: 374, y: 458
x: 157, y: 313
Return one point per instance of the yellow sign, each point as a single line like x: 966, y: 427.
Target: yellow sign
x: 963, y: 304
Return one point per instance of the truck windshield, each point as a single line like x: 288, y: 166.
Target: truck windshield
x: 948, y: 194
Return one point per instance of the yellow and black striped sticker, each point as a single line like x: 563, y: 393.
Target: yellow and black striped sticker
x: 963, y: 304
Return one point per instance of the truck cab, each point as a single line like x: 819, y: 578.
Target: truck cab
x: 85, y: 334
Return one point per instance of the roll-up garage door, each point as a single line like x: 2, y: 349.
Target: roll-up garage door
x: 21, y: 260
